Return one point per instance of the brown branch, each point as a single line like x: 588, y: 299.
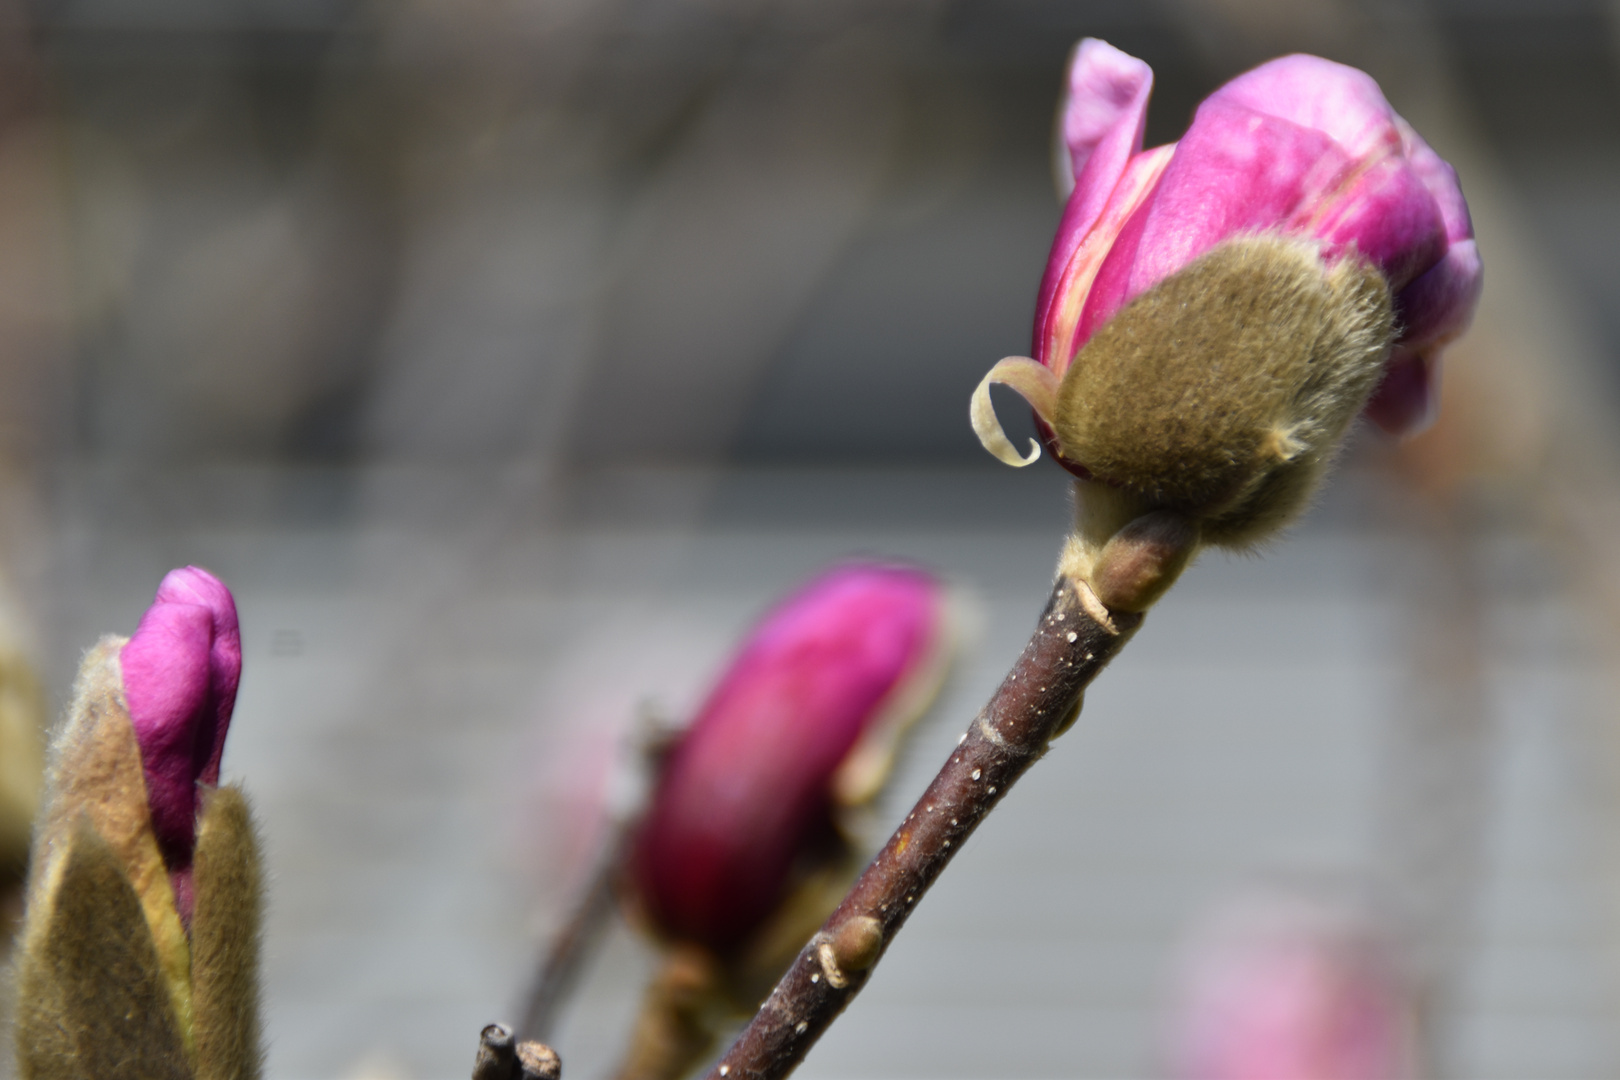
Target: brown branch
x: 575, y: 940
x: 1075, y: 638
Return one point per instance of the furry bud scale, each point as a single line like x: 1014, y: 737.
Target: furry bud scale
x: 1224, y: 390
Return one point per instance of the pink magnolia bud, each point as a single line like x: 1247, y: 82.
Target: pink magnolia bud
x: 1300, y: 149
x: 1286, y: 989
x: 180, y: 671
x: 748, y: 791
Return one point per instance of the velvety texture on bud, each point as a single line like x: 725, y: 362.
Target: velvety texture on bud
x: 145, y: 879
x: 792, y: 729
x: 1301, y: 159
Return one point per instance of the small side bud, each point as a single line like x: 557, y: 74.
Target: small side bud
x: 857, y: 943
x: 1143, y: 560
x: 537, y: 1061
x: 1070, y: 717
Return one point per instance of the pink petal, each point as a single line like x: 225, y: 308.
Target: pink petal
x: 1236, y: 170
x: 180, y: 672
x: 1341, y: 102
x: 745, y: 793
x: 1438, y: 306
x: 1107, y: 97
x: 1111, y: 289
x: 1291, y: 995
x: 1441, y: 180
x: 1057, y: 331
x: 1103, y: 121
x: 1390, y: 217
x: 1406, y: 401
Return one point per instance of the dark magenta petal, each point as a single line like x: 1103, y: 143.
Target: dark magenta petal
x: 1236, y: 170
x: 1441, y: 180
x: 1438, y: 306
x: 745, y: 793
x: 1103, y: 119
x: 180, y: 671
x: 1405, y: 402
x: 1390, y: 218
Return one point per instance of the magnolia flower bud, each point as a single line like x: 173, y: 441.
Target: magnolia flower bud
x: 140, y: 942
x: 1216, y: 312
x: 1282, y: 986
x: 741, y: 854
x: 804, y: 719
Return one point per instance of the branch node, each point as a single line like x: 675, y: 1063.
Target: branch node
x: 829, y: 966
x: 1093, y: 606
x: 991, y: 735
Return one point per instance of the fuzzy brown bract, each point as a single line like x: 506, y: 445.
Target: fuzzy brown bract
x: 225, y: 940
x: 91, y: 995
x: 110, y: 984
x: 1224, y: 390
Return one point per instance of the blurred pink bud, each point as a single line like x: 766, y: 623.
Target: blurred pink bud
x: 1300, y: 147
x: 748, y: 790
x: 1284, y: 989
x: 180, y: 671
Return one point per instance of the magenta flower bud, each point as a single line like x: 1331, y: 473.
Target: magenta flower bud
x: 1288, y: 989
x: 140, y: 945
x: 1300, y: 150
x: 750, y: 789
x: 180, y: 671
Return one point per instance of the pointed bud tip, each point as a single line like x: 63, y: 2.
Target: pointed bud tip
x: 180, y: 672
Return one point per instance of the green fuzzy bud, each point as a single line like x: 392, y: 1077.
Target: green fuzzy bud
x: 92, y: 996
x: 225, y: 940
x: 1224, y: 391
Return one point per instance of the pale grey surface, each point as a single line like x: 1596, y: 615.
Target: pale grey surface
x: 419, y: 647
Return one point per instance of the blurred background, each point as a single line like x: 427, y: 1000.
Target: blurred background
x: 507, y: 357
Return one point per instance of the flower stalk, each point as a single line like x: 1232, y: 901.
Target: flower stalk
x: 575, y: 940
